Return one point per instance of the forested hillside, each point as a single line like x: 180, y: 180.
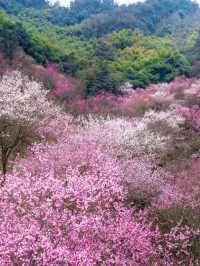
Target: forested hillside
x: 102, y: 44
x: 99, y: 133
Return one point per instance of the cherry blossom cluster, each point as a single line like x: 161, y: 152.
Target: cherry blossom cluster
x: 93, y: 190
x: 64, y: 205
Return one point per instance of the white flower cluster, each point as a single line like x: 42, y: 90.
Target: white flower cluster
x: 159, y: 94
x: 22, y: 99
x: 126, y: 137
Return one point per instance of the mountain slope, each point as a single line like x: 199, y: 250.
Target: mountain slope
x: 144, y: 43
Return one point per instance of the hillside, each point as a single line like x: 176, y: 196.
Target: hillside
x: 99, y: 133
x: 121, y: 43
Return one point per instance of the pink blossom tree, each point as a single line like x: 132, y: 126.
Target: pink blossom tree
x: 64, y: 206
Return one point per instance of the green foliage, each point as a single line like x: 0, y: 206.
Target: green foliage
x: 103, y: 44
x: 84, y: 8
x: 78, y: 11
x: 31, y: 3
x: 98, y: 78
x: 195, y: 51
x: 149, y: 60
x: 14, y: 34
x: 14, y: 6
x: 121, y: 39
x: 95, y: 18
x: 39, y: 46
x: 8, y: 36
x: 145, y: 17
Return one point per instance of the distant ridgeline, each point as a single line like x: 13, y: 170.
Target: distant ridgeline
x: 103, y: 44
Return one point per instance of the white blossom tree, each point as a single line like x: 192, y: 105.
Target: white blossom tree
x: 24, y: 108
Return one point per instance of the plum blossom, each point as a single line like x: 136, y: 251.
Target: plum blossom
x: 24, y: 99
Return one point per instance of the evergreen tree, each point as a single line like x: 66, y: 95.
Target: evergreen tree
x: 100, y: 79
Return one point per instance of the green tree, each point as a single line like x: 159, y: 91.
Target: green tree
x: 8, y: 37
x: 99, y: 78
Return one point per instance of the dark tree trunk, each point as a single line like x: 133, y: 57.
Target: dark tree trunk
x: 4, y: 162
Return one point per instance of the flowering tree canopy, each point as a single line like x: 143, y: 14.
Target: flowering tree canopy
x: 23, y: 108
x: 100, y: 190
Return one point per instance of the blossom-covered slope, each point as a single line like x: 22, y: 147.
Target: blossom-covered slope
x: 116, y: 182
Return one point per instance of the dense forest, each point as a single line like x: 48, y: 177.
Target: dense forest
x: 105, y: 45
x: 99, y: 133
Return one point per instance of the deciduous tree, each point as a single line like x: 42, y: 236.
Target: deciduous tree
x: 23, y: 109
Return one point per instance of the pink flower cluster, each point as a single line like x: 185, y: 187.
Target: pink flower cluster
x: 64, y: 206
x: 85, y: 195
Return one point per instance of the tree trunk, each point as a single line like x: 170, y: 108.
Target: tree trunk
x: 4, y: 163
